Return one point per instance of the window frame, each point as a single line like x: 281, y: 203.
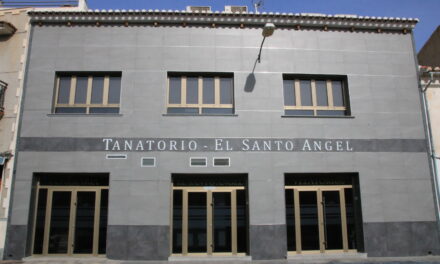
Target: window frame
x: 329, y: 79
x: 199, y: 105
x: 88, y: 104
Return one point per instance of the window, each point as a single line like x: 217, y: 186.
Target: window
x: 320, y: 96
x: 200, y: 94
x: 87, y: 93
x: 3, y: 87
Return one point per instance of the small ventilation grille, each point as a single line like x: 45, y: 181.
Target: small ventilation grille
x: 148, y: 162
x: 236, y: 9
x: 116, y: 156
x: 198, y: 162
x: 198, y: 8
x: 222, y: 162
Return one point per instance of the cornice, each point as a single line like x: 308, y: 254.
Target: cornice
x: 213, y: 19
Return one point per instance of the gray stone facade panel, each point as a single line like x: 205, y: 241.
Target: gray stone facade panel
x: 369, y: 64
x: 395, y: 187
x: 221, y: 144
x: 138, y: 242
x: 268, y: 242
x: 16, y: 238
x: 401, y: 239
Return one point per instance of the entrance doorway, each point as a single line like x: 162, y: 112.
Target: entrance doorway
x: 70, y: 220
x: 320, y: 219
x: 323, y: 213
x: 209, y: 220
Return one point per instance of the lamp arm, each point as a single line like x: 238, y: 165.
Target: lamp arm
x: 261, y: 47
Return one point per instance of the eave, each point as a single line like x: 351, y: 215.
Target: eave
x: 214, y: 19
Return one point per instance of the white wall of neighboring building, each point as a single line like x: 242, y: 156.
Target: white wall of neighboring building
x: 12, y: 65
x: 13, y: 51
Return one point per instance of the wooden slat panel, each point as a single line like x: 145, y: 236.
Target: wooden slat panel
x: 72, y: 90
x: 234, y: 222
x: 209, y: 223
x: 297, y: 221
x: 320, y: 222
x: 343, y: 220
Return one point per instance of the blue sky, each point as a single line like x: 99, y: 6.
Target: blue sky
x: 427, y: 11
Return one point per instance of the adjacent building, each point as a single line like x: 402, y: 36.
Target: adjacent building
x: 14, y: 39
x: 163, y: 135
x: 14, y: 28
x: 429, y: 55
x: 429, y: 61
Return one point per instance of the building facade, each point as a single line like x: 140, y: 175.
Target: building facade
x: 158, y: 135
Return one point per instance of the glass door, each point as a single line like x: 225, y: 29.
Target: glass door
x: 70, y: 220
x: 308, y: 207
x: 206, y: 221
x: 317, y: 219
x: 84, y: 225
x: 197, y: 223
x: 332, y: 222
x: 222, y: 222
x: 59, y: 222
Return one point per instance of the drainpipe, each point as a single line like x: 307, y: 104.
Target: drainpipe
x: 432, y: 153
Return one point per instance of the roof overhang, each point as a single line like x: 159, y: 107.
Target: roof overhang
x: 169, y: 17
x: 6, y: 29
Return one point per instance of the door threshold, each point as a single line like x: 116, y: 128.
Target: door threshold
x: 58, y: 259
x: 209, y: 258
x: 328, y: 256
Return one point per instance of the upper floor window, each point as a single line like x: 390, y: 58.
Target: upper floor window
x: 3, y: 87
x: 87, y: 93
x: 315, y: 96
x: 200, y: 93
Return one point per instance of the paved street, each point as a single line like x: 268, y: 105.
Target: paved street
x: 308, y: 260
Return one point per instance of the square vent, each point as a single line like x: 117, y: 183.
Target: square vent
x: 236, y: 9
x: 222, y: 162
x: 198, y: 9
x: 198, y: 162
x: 116, y: 156
x: 148, y: 162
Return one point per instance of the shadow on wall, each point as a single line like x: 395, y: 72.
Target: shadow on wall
x: 250, y: 83
x: 250, y: 80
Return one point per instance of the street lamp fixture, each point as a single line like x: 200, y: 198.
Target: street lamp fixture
x: 268, y: 30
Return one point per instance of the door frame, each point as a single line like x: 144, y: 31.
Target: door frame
x: 320, y: 208
x: 209, y: 190
x: 72, y: 218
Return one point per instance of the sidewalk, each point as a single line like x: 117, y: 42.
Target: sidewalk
x: 329, y: 260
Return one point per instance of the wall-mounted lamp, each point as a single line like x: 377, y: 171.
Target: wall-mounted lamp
x: 268, y: 30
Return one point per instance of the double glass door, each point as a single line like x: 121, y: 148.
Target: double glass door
x: 209, y: 221
x: 70, y: 220
x: 320, y: 219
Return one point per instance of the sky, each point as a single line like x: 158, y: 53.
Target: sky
x: 427, y: 11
